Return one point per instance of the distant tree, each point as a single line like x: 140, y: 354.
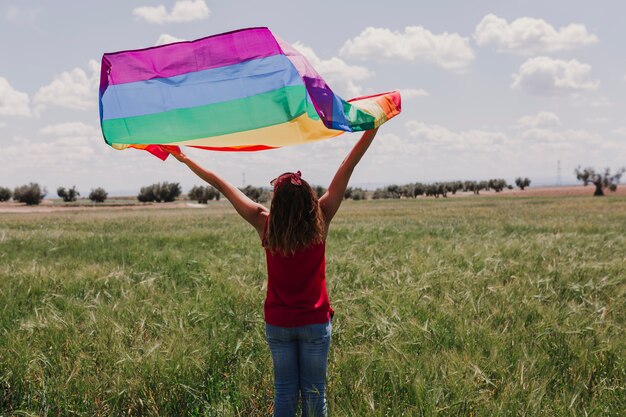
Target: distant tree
x: 320, y: 191
x: 355, y: 193
x: 600, y: 180
x: 483, y: 185
x: 411, y: 190
x: 378, y: 194
x: 202, y: 194
x: 497, y: 184
x: 469, y: 186
x: 390, y: 191
x: 5, y: 194
x: 68, y: 195
x: 405, y: 191
x: 146, y: 194
x: 98, y: 195
x: 522, y: 182
x: 170, y: 191
x: 257, y: 194
x: 436, y: 189
x: 165, y: 191
x: 453, y: 186
x: 418, y: 189
x: 442, y: 189
x: 31, y: 194
x: 584, y: 175
x: 358, y: 194
x: 393, y: 191
x: 197, y: 193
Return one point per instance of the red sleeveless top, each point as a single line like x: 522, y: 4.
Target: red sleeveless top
x: 296, y: 287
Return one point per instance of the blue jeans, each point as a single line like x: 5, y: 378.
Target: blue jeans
x: 299, y: 355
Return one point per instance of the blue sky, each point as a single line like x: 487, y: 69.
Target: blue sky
x: 490, y: 88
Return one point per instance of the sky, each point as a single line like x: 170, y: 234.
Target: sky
x: 491, y: 88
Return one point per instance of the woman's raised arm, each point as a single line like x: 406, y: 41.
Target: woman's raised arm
x: 253, y: 213
x: 332, y: 199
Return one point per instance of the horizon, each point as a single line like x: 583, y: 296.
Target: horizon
x: 367, y: 187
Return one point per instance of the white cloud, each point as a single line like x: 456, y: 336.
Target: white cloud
x: 23, y: 14
x: 584, y: 100
x: 3, y: 124
x: 447, y: 50
x: 600, y: 102
x: 76, y: 150
x: 469, y: 140
x: 620, y: 131
x: 541, y: 119
x: 553, y: 77
x: 165, y: 39
x: 596, y: 120
x: 340, y: 75
x: 75, y: 89
x: 409, y: 93
x: 70, y: 129
x: 13, y: 102
x: 183, y: 11
x: 67, y: 150
x: 570, y: 136
x: 529, y: 36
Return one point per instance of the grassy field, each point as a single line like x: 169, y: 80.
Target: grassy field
x: 505, y: 306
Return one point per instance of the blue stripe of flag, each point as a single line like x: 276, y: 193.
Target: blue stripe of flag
x: 199, y: 88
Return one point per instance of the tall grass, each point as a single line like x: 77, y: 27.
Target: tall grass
x: 462, y: 307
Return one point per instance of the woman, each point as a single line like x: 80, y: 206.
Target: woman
x: 297, y: 310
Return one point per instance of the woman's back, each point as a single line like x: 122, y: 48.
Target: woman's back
x: 296, y: 287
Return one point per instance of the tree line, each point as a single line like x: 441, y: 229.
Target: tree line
x: 437, y: 189
x: 33, y: 193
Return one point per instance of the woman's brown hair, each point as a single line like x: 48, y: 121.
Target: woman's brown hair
x: 295, y: 219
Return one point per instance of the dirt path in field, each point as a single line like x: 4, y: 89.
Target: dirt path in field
x: 561, y: 191
x: 48, y: 206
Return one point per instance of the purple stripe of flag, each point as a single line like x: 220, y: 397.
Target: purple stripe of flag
x: 325, y: 101
x: 170, y: 60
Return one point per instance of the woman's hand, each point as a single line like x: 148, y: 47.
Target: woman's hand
x: 176, y: 152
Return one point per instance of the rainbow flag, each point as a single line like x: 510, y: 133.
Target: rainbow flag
x: 245, y: 90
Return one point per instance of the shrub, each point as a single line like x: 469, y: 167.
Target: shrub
x: 203, y: 194
x: 98, y: 195
x: 498, y: 184
x: 31, y: 194
x: 5, y: 194
x: 257, y: 194
x: 320, y: 191
x: 68, y: 195
x: 358, y: 194
x: 522, y: 182
x: 159, y: 192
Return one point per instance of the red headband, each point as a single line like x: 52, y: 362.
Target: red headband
x: 294, y: 178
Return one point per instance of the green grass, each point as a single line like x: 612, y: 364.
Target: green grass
x: 460, y: 307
